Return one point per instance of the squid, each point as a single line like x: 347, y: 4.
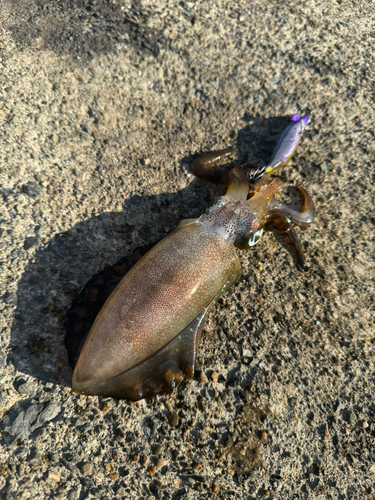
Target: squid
x: 145, y: 339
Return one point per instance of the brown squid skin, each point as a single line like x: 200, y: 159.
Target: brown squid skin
x: 156, y: 300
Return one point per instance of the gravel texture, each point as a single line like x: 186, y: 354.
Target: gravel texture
x: 103, y: 105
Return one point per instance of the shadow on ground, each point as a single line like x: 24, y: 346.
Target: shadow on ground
x: 81, y: 28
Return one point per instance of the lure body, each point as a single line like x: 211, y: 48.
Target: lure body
x: 285, y: 147
x: 288, y: 142
x: 145, y: 338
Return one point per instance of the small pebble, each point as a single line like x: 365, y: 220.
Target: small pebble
x: 202, y: 377
x: 229, y: 441
x: 174, y: 419
x: 274, y: 81
x: 36, y: 460
x: 7, y: 193
x: 53, y: 477
x: 87, y: 469
x: 214, y: 376
x: 263, y: 436
x: 152, y: 470
x: 28, y: 389
x: 352, y: 418
x: 160, y: 462
x: 57, y: 248
x: 157, y: 450
x: 32, y: 189
x: 326, y: 432
x: 30, y: 242
x: 215, y: 488
x: 11, y: 299
x: 109, y: 468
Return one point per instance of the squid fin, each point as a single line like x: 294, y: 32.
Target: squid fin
x: 161, y: 372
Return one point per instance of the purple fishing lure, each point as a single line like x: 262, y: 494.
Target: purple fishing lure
x: 285, y: 148
x: 288, y: 142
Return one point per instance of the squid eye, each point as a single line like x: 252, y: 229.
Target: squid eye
x: 255, y: 238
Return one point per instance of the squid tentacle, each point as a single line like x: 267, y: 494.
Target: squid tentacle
x: 284, y: 233
x: 301, y: 217
x: 210, y: 167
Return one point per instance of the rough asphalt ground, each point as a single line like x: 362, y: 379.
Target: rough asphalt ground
x: 103, y: 105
